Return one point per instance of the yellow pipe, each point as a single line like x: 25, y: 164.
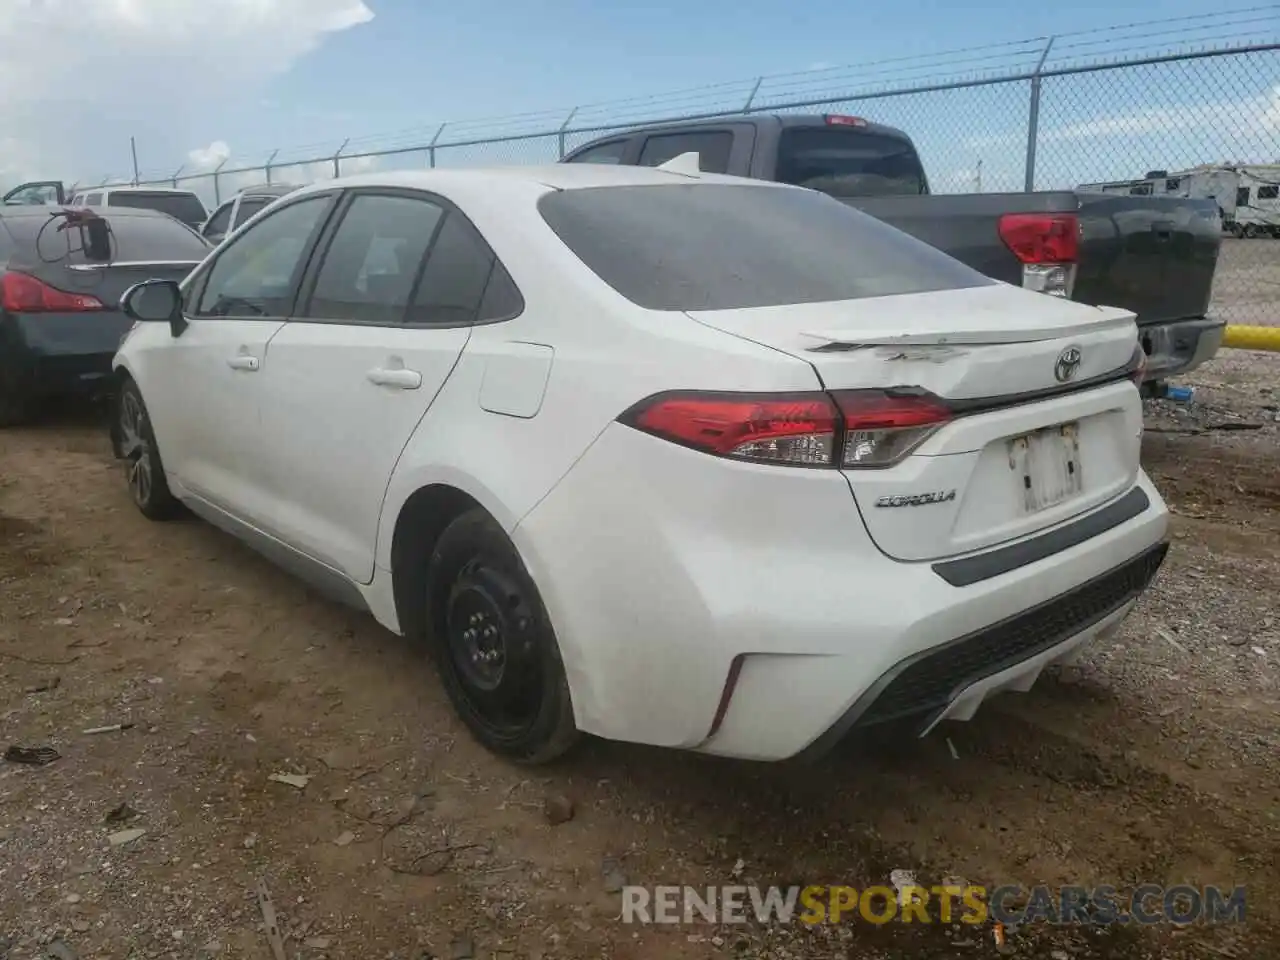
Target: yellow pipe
x: 1252, y: 338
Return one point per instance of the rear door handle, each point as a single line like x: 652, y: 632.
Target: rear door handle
x: 399, y: 378
x: 243, y: 362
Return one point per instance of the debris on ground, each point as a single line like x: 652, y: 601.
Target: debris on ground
x: 123, y: 837
x: 298, y: 781
x: 32, y: 756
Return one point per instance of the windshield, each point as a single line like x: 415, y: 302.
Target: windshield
x: 181, y: 206
x: 705, y: 246
x: 846, y: 162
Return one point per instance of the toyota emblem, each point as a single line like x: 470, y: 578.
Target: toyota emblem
x: 1067, y: 365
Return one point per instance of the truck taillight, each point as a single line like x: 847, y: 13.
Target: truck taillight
x: 23, y: 293
x: 846, y: 429
x: 1048, y: 245
x: 841, y: 120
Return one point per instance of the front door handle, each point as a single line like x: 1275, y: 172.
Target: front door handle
x: 243, y: 362
x: 398, y: 377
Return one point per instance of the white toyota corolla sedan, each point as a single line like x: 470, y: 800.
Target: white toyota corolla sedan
x: 670, y: 458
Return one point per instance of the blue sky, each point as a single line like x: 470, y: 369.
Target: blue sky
x: 323, y: 71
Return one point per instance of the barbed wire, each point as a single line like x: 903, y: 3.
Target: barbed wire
x: 1004, y: 61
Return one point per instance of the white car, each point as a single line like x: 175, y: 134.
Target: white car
x: 663, y: 457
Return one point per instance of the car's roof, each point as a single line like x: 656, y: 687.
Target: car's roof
x: 136, y: 190
x: 560, y: 176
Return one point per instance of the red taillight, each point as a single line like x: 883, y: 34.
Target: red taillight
x: 21, y: 293
x: 839, y: 120
x: 881, y: 428
x: 851, y: 428
x: 783, y: 428
x: 1041, y: 238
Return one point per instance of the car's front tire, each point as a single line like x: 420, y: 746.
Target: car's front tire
x: 148, y: 486
x: 494, y: 644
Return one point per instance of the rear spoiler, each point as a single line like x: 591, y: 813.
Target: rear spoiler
x: 833, y: 340
x: 132, y: 265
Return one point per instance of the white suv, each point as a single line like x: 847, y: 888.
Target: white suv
x: 182, y: 205
x: 665, y: 457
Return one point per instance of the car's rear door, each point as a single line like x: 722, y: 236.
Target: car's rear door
x: 385, y: 314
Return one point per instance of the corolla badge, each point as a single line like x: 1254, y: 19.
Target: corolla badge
x: 916, y: 499
x: 1067, y: 365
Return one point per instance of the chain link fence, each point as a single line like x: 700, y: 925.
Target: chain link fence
x: 1043, y: 119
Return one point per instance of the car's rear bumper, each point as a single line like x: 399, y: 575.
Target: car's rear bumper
x: 56, y: 354
x: 1178, y: 348
x: 742, y: 610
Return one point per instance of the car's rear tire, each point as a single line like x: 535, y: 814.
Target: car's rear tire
x: 148, y: 486
x: 493, y: 642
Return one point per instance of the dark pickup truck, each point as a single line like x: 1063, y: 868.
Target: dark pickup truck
x: 1155, y: 256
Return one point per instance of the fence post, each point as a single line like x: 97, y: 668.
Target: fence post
x: 217, y: 188
x: 174, y: 178
x: 267, y: 165
x: 431, y: 147
x: 337, y: 159
x: 1033, y: 121
x: 565, y: 126
x: 746, y: 107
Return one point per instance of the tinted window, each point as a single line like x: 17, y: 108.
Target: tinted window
x: 369, y: 268
x: 848, y: 162
x: 250, y: 206
x: 254, y: 275
x: 219, y: 224
x: 1269, y: 193
x: 182, y: 206
x: 134, y: 237
x: 711, y: 146
x: 704, y: 246
x: 502, y: 299
x: 1242, y: 196
x: 93, y: 200
x: 604, y: 153
x: 456, y: 275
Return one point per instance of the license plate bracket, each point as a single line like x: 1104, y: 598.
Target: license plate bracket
x: 1046, y: 466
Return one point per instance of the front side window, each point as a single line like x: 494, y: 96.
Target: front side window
x: 93, y: 200
x: 255, y: 275
x: 219, y: 224
x: 249, y: 206
x: 711, y: 146
x: 716, y: 246
x: 369, y: 269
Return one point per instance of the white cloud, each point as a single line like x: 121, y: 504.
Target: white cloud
x: 208, y: 158
x: 79, y: 78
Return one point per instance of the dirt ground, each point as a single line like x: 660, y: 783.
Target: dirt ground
x: 1156, y: 760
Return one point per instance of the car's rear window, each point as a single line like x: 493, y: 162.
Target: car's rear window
x: 182, y: 206
x: 848, y: 162
x: 133, y: 237
x: 705, y: 246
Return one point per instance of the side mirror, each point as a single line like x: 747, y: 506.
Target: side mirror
x: 155, y: 301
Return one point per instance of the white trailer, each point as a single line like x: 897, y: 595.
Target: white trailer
x: 1247, y: 194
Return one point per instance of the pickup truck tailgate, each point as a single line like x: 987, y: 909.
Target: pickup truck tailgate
x: 1150, y: 255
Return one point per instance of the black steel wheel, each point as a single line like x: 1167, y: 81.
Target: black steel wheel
x: 494, y: 644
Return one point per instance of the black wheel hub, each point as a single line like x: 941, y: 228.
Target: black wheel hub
x: 490, y: 629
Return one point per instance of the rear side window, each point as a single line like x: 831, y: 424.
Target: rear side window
x: 711, y: 146
x: 133, y: 237
x: 604, y: 153
x: 373, y: 260
x: 705, y: 246
x: 182, y: 206
x: 845, y: 162
x: 457, y: 273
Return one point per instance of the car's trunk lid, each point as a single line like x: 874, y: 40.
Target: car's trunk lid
x: 1031, y: 443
